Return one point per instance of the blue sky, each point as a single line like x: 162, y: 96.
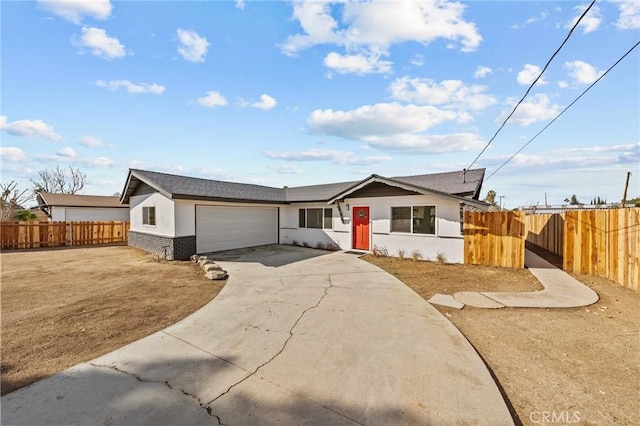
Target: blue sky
x: 297, y: 93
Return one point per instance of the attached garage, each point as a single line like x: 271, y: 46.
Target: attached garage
x: 229, y: 227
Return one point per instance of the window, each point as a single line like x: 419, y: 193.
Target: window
x: 149, y: 216
x: 414, y: 220
x: 315, y: 218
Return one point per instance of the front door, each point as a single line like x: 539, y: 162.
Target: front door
x: 360, y: 228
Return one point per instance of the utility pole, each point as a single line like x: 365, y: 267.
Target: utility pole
x: 501, y: 197
x: 545, y: 200
x: 626, y: 186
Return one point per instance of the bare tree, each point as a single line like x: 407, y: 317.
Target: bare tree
x: 12, y: 199
x: 60, y: 181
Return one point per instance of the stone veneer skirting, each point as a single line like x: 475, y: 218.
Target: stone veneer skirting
x: 170, y: 248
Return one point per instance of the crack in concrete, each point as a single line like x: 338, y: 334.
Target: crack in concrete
x: 206, y: 407
x: 326, y: 291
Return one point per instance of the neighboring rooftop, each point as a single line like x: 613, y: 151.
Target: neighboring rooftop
x: 75, y: 200
x: 460, y: 183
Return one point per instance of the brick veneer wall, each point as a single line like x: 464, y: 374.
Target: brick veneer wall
x: 176, y: 248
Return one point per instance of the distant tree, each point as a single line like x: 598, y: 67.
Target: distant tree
x: 24, y: 215
x: 491, y: 197
x: 635, y: 201
x: 117, y: 194
x: 12, y: 199
x: 60, y: 181
x: 573, y: 200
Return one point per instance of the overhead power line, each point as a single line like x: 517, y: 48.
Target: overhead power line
x: 564, y: 110
x: 533, y: 83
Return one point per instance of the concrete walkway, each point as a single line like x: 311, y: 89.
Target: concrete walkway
x: 297, y: 336
x: 561, y: 290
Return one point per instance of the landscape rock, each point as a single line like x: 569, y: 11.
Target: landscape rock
x: 216, y: 275
x: 203, y: 262
x: 211, y: 267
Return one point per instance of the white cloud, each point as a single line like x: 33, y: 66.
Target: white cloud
x: 631, y: 147
x: 265, y: 103
x: 629, y: 17
x: 417, y: 60
x: 212, y: 100
x: 537, y: 108
x: 563, y: 84
x: 66, y: 152
x: 287, y: 169
x: 482, y: 72
x: 532, y: 20
x: 153, y: 88
x: 394, y: 127
x: 582, y: 72
x: 74, y: 11
x: 101, y: 44
x: 193, y: 47
x: 240, y: 4
x: 379, y: 119
x: 91, y: 142
x: 369, y: 29
x: 590, y: 22
x: 29, y: 129
x: 337, y: 157
x: 450, y: 93
x: 357, y: 64
x: 13, y: 155
x: 97, y: 162
x: 428, y: 144
x: 528, y: 74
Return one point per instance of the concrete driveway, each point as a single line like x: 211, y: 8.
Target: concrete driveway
x: 297, y: 336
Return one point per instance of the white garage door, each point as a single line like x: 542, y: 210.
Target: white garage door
x: 227, y: 228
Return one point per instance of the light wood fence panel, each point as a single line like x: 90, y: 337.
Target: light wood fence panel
x: 25, y: 235
x: 494, y: 239
x: 546, y: 231
x: 604, y: 243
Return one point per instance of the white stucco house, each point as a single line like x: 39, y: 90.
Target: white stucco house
x: 177, y: 216
x: 73, y: 207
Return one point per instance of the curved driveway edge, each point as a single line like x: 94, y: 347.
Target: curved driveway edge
x: 297, y: 336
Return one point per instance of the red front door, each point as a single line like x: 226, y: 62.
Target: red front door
x: 360, y: 228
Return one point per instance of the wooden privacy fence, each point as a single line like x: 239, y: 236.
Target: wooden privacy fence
x: 25, y: 235
x: 604, y: 243
x: 494, y: 238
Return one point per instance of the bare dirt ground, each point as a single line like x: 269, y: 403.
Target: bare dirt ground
x: 555, y: 366
x: 65, y: 306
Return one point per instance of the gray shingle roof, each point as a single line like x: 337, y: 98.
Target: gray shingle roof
x: 190, y: 187
x: 174, y: 186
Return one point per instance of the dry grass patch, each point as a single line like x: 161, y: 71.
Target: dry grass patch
x: 61, y: 307
x: 580, y: 363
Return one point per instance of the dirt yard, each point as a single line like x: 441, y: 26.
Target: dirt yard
x: 64, y: 306
x: 578, y: 366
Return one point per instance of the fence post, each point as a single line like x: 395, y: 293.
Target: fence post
x: 70, y: 233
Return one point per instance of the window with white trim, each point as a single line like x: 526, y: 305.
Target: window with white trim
x: 149, y: 216
x: 414, y: 219
x: 315, y: 218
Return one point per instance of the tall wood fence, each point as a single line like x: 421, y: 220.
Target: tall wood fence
x: 604, y: 243
x: 495, y: 238
x: 25, y: 235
